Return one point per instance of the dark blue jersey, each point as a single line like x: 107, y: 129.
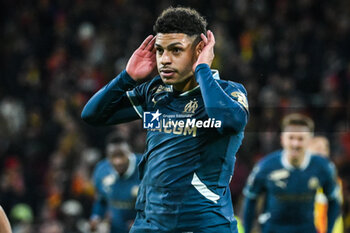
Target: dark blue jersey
x: 116, y: 194
x: 290, y: 192
x: 185, y: 169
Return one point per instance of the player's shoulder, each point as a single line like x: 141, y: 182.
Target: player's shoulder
x: 225, y: 84
x: 271, y: 160
x: 153, y: 83
x: 102, y: 168
x: 102, y: 164
x: 321, y: 162
x: 146, y: 86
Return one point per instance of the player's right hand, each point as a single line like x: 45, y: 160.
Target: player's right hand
x: 143, y: 60
x: 94, y: 224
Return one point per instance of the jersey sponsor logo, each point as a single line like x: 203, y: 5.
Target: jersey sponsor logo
x: 277, y: 177
x: 162, y: 88
x: 296, y: 197
x: 279, y: 174
x: 191, y: 106
x: 178, y: 130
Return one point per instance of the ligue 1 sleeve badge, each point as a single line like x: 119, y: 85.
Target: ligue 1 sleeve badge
x: 313, y: 183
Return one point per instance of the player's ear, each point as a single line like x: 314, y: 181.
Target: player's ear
x: 199, y: 48
x: 281, y: 139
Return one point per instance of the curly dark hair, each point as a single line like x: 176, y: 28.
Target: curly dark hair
x: 180, y: 20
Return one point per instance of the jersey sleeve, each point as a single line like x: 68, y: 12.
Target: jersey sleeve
x: 99, y: 207
x: 255, y: 184
x: 332, y: 191
x: 228, y: 104
x: 137, y: 98
x: 111, y: 105
x: 330, y: 187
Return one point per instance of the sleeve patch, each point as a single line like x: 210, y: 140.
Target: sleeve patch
x: 241, y: 98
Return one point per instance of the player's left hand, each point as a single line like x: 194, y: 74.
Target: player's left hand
x: 207, y: 54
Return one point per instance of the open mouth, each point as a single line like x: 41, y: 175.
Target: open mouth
x: 167, y: 72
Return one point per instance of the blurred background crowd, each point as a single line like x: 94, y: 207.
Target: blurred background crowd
x: 292, y: 56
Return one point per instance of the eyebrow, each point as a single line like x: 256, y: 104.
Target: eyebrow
x: 170, y: 46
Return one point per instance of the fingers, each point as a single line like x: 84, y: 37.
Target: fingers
x: 211, y: 38
x: 151, y: 54
x: 204, y: 38
x: 146, y: 42
x: 150, y: 46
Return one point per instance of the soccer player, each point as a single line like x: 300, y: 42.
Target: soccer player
x: 5, y: 226
x: 289, y: 178
x: 195, y: 126
x: 116, y: 182
x: 320, y: 145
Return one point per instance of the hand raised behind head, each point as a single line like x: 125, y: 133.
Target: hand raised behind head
x: 143, y: 60
x: 207, y: 54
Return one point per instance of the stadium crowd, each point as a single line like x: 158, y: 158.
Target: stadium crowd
x: 292, y: 56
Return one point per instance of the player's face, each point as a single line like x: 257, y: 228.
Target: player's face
x: 294, y: 140
x: 119, y: 158
x: 175, y: 58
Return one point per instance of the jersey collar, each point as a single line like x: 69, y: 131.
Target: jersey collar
x: 131, y: 167
x: 286, y: 164
x: 216, y: 76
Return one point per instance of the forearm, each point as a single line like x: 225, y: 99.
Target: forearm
x: 99, y: 209
x: 103, y: 107
x: 4, y: 222
x: 248, y: 214
x: 218, y: 103
x: 332, y: 214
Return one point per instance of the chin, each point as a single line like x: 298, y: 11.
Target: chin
x: 168, y: 81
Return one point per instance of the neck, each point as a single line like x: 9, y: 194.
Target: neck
x: 296, y: 161
x: 187, y: 85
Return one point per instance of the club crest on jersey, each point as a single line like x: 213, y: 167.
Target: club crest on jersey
x: 313, y: 183
x: 191, y: 106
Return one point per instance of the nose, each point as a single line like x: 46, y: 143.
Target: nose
x: 117, y: 162
x: 165, y: 58
x: 295, y: 143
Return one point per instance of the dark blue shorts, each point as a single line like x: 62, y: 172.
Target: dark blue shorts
x: 273, y: 228
x: 143, y: 225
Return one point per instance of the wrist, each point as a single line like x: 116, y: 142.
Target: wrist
x: 130, y: 75
x: 129, y: 80
x: 202, y: 66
